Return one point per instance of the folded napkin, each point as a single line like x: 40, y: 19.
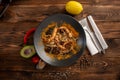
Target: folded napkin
x: 90, y: 45
x: 94, y: 39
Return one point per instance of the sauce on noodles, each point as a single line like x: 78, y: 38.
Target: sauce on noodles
x: 60, y: 41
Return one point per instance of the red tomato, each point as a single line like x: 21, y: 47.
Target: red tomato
x: 35, y: 59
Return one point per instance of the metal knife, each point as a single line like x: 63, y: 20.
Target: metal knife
x: 98, y: 34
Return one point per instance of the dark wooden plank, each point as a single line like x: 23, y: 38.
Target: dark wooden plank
x: 108, y: 29
x: 11, y: 60
x: 101, y: 13
x: 91, y: 2
x: 57, y: 76
x: 39, y: 12
x: 22, y: 26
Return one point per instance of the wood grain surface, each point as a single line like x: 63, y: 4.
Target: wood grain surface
x: 25, y: 14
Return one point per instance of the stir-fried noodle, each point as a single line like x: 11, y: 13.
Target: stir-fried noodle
x: 60, y: 41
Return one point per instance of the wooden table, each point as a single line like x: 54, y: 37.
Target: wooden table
x: 25, y: 14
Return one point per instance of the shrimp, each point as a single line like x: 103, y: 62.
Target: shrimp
x: 53, y: 34
x: 67, y: 30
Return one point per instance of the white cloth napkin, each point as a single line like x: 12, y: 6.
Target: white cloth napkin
x: 94, y: 39
x: 90, y: 45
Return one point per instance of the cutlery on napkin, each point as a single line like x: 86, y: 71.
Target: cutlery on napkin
x: 95, y: 41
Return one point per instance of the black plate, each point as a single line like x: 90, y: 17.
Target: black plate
x: 40, y: 47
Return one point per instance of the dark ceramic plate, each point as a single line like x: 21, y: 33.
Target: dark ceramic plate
x: 40, y: 47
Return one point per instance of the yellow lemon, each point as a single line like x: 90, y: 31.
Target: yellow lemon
x: 74, y: 7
